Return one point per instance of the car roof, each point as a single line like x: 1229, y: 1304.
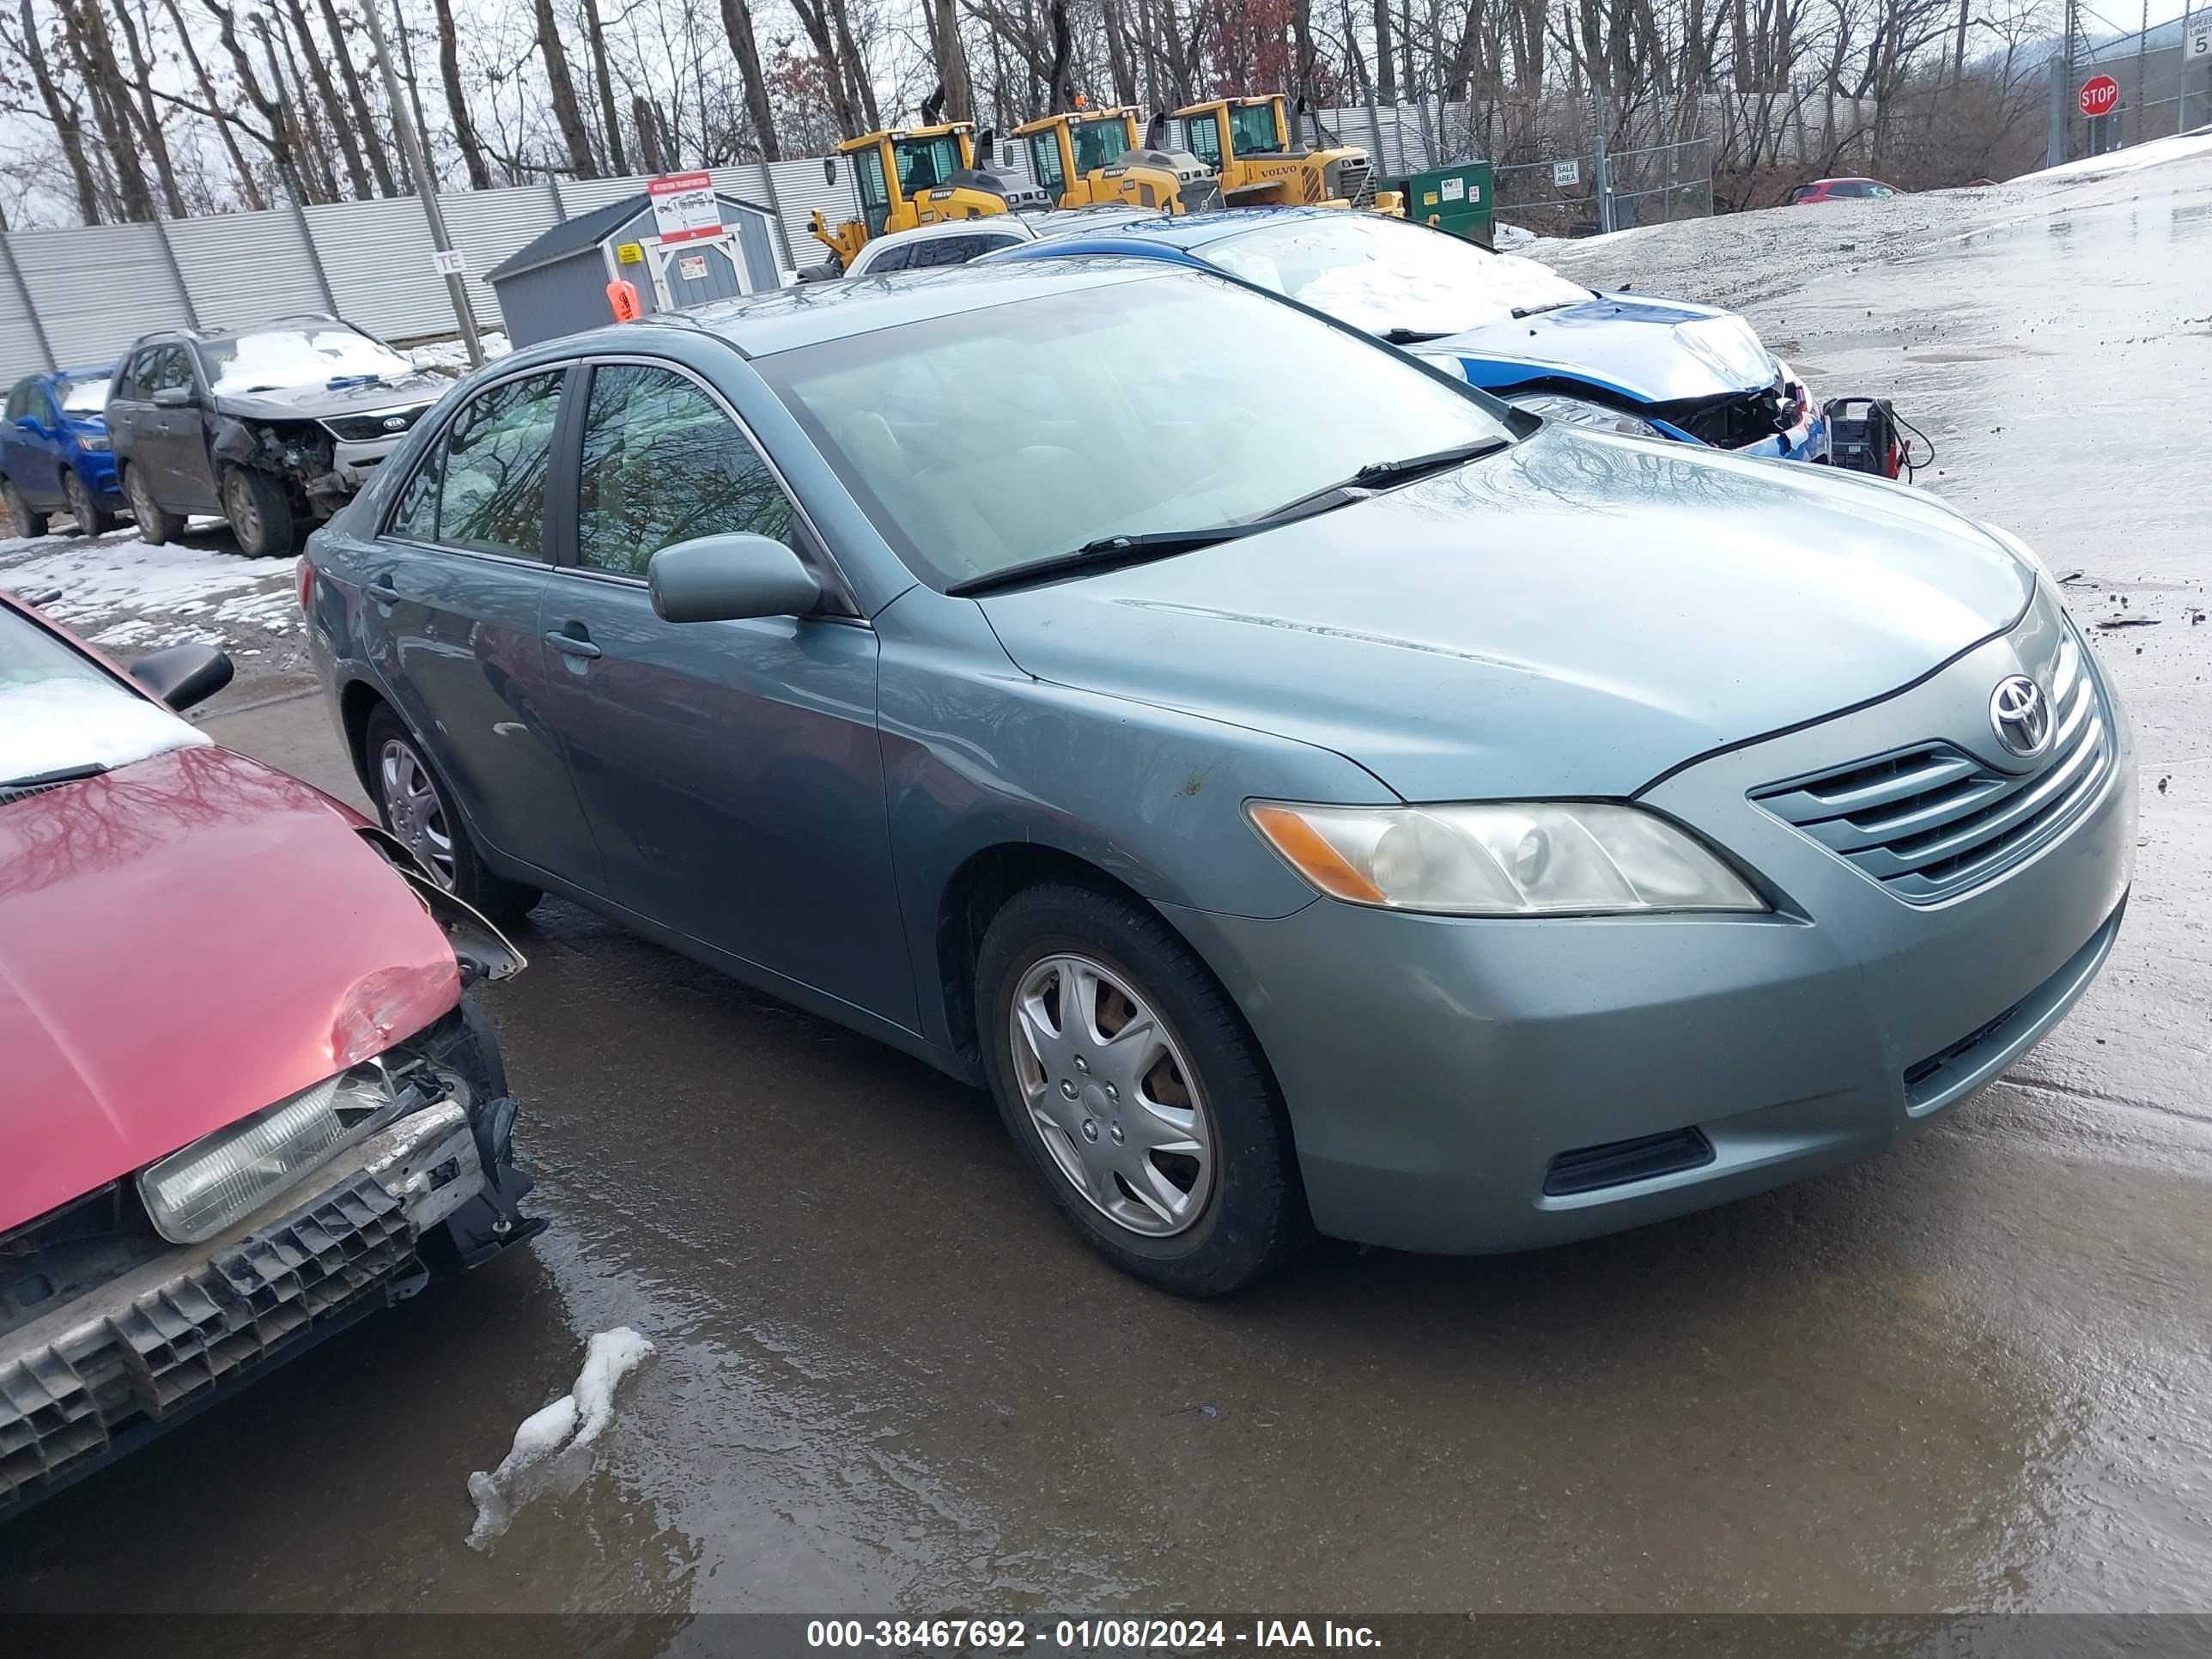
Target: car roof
x: 762, y: 325
x: 1037, y: 225
x: 1196, y: 230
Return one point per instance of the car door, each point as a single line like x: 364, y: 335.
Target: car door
x: 27, y: 441
x: 731, y: 771
x: 128, y: 411
x: 176, y: 458
x: 451, y: 588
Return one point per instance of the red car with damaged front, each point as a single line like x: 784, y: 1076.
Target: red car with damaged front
x: 243, y: 1098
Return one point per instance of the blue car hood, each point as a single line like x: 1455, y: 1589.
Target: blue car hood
x: 1657, y: 351
x: 1576, y: 615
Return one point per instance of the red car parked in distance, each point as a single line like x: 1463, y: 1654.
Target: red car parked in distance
x: 1841, y: 190
x: 242, y: 1099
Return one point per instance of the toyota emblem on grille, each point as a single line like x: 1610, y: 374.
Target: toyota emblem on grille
x: 2021, y: 714
x: 395, y: 423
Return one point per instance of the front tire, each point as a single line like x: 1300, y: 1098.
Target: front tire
x: 26, y: 522
x: 155, y: 526
x: 260, y: 509
x: 1134, y: 1092
x: 91, y: 520
x: 415, y: 804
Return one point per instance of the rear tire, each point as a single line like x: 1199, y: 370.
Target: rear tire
x: 155, y: 526
x: 26, y: 522
x: 415, y: 803
x: 91, y: 520
x: 259, y: 510
x: 1173, y: 1160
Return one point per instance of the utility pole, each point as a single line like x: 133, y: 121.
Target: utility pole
x: 418, y: 176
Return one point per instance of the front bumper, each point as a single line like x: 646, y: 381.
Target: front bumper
x: 92, y: 1379
x: 355, y: 464
x: 1438, y: 1070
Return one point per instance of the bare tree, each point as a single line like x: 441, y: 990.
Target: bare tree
x: 63, y: 113
x: 595, y: 37
x: 457, y: 99
x: 738, y: 25
x: 567, y: 110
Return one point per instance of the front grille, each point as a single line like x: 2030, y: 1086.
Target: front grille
x: 1931, y: 820
x: 370, y: 428
x: 1616, y: 1163
x: 1735, y: 419
x: 64, y: 1404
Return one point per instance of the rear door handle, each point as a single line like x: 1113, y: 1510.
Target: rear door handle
x: 575, y: 645
x: 383, y: 589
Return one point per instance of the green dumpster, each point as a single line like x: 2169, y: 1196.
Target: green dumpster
x: 1456, y: 198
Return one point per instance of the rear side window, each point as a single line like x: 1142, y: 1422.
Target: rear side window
x: 892, y: 258
x: 482, y: 485
x: 661, y: 465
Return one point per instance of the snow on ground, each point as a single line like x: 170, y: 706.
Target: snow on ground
x: 547, y: 1445
x: 122, y: 593
x: 453, y: 356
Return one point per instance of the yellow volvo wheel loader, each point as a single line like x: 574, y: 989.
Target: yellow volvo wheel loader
x: 1261, y: 161
x: 919, y: 176
x: 1091, y: 158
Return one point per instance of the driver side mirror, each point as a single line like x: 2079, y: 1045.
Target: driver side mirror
x: 175, y: 396
x: 30, y: 423
x: 828, y: 169
x: 183, y: 675
x: 726, y: 578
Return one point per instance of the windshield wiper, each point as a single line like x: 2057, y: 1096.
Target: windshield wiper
x: 1377, y: 475
x: 1107, y: 553
x: 1414, y: 336
x: 1520, y: 311
x: 60, y: 774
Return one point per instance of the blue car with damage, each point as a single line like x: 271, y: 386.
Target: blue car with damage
x: 54, y: 452
x: 1309, y: 793
x: 1619, y: 362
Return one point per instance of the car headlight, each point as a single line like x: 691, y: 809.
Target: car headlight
x: 1501, y: 858
x: 221, y: 1178
x: 2021, y: 550
x: 91, y: 441
x: 1581, y: 411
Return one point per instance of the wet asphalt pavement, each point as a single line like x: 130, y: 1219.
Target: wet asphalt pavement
x: 1973, y: 1374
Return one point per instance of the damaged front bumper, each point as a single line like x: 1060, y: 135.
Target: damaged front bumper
x: 88, y: 1381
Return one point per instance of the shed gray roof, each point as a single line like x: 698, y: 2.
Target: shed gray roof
x: 587, y: 230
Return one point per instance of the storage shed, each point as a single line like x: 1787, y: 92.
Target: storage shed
x: 556, y: 284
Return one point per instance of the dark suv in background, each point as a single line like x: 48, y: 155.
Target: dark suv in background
x: 275, y: 427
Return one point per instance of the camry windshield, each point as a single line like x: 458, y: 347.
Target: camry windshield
x: 308, y: 354
x: 1022, y: 431
x: 61, y: 716
x: 88, y: 396
x: 1383, y: 275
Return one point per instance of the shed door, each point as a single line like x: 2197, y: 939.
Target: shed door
x: 704, y: 268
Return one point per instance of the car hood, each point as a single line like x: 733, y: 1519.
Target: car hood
x: 184, y: 940
x: 1657, y: 351
x: 319, y: 402
x: 1574, y: 616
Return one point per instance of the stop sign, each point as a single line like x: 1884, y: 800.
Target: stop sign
x: 2100, y: 93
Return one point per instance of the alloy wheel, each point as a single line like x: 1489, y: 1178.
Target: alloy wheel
x: 243, y: 511
x: 80, y: 504
x: 413, y: 810
x: 1112, y: 1096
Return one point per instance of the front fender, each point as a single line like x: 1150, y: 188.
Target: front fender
x: 979, y: 755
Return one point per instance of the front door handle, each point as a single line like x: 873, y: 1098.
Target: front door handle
x: 575, y: 645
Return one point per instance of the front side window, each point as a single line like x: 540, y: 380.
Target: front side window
x: 19, y: 401
x: 1252, y: 130
x: 1202, y: 137
x: 990, y: 439
x: 482, y: 487
x: 1100, y: 144
x: 172, y: 368
x: 890, y: 259
x: 661, y: 465
x: 305, y: 353
x: 1044, y: 161
x: 1384, y: 274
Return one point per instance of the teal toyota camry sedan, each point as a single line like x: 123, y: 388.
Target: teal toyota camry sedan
x: 1310, y: 795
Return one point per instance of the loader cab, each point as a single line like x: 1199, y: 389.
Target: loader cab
x: 1064, y: 149
x: 1231, y: 130
x: 890, y: 169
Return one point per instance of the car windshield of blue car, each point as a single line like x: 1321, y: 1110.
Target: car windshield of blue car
x: 308, y: 354
x: 1385, y: 275
x: 1023, y: 431
x: 88, y: 396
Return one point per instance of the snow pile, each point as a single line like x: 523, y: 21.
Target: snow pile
x: 548, y: 1443
x: 453, y: 356
x: 2155, y: 153
x: 60, y: 723
x: 117, y: 590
